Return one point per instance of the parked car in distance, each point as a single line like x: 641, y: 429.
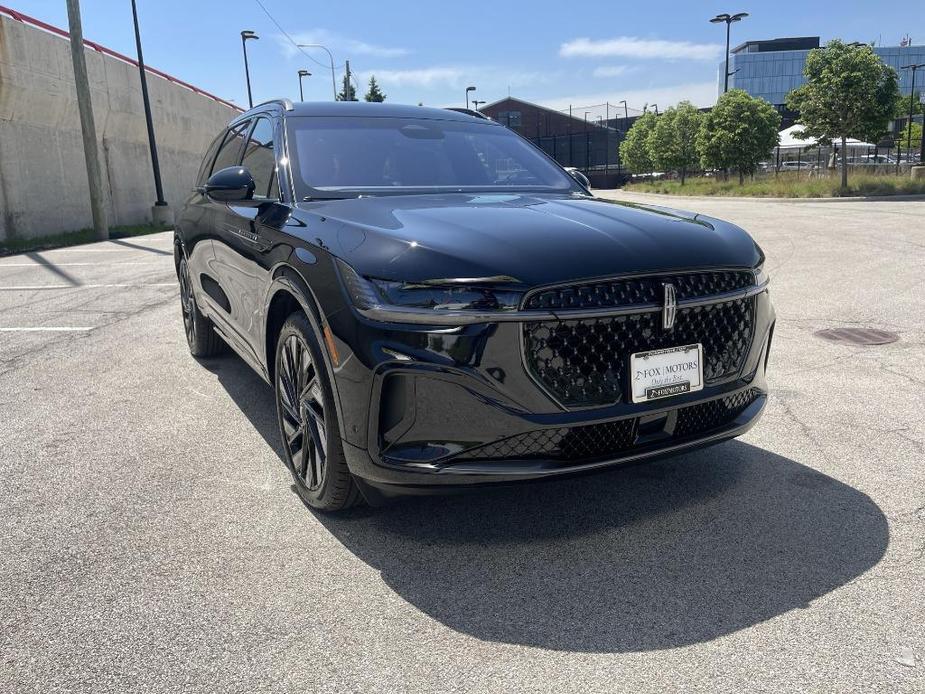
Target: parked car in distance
x: 437, y: 304
x: 796, y: 165
x: 871, y: 160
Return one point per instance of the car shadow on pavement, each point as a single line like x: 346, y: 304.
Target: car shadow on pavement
x: 653, y: 556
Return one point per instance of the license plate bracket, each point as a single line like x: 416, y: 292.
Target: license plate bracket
x: 664, y: 373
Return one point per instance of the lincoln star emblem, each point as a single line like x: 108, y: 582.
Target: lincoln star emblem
x: 670, y: 310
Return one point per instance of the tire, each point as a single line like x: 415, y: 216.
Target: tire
x: 307, y: 420
x: 201, y: 337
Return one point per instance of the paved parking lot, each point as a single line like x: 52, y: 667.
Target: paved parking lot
x: 150, y: 540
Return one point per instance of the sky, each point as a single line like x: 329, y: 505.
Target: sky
x: 590, y: 53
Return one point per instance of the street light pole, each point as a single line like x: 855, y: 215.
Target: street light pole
x: 245, y: 36
x: 160, y: 215
x: 728, y: 19
x: 468, y: 89
x: 911, y: 109
x: 302, y: 73
x: 330, y: 57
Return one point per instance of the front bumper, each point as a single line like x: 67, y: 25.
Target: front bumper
x: 442, y: 407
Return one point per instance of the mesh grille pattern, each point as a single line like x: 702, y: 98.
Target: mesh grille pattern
x: 566, y: 444
x: 584, y: 362
x: 710, y: 415
x: 592, y: 441
x: 643, y: 290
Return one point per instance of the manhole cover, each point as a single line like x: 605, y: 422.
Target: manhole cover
x: 857, y: 336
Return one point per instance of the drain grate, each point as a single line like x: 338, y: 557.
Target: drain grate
x: 857, y: 336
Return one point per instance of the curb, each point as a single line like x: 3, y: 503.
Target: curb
x: 732, y: 198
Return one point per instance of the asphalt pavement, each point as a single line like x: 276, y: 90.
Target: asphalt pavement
x: 150, y: 539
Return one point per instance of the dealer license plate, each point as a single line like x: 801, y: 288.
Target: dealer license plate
x: 662, y: 373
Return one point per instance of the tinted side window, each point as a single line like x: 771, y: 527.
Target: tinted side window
x: 260, y: 160
x: 206, y: 166
x: 230, y: 153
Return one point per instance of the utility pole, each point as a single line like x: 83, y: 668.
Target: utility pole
x: 347, y: 83
x: 160, y: 212
x: 87, y: 126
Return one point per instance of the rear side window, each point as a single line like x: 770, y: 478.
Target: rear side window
x: 230, y: 153
x: 260, y: 160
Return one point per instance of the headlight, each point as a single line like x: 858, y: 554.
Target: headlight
x: 761, y: 277
x: 439, y: 302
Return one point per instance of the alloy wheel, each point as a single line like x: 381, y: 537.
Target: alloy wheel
x: 186, y: 303
x: 302, y: 409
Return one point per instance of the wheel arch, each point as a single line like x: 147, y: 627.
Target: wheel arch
x: 287, y: 294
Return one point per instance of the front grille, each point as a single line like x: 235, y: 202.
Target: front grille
x: 584, y: 362
x: 712, y: 414
x: 591, y: 442
x: 617, y: 293
x: 564, y: 443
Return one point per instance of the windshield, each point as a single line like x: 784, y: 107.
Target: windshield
x: 337, y: 156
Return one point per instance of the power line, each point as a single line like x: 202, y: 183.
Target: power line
x: 292, y: 40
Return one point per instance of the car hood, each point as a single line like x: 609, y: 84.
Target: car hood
x: 536, y: 239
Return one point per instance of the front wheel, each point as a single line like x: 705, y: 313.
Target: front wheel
x: 308, y: 420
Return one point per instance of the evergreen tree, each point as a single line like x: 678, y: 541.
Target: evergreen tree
x: 347, y: 93
x: 374, y: 93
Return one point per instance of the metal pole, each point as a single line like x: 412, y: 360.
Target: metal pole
x: 152, y: 143
x: 330, y: 57
x: 247, y: 72
x: 87, y: 126
x: 726, y: 65
x: 301, y: 93
x: 922, y: 145
x: 911, y: 107
x: 347, y: 82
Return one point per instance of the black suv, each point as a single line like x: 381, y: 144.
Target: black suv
x: 437, y: 303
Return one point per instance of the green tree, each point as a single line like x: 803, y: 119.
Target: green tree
x: 374, y: 93
x: 902, y: 112
x: 347, y: 92
x: 634, y: 150
x: 916, y: 138
x: 673, y: 141
x: 849, y: 92
x: 737, y: 133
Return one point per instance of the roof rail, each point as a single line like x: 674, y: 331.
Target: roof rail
x: 285, y: 103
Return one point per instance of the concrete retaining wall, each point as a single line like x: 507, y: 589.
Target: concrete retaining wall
x: 43, y: 180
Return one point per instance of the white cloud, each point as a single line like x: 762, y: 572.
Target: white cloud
x: 419, y: 77
x: 611, y: 70
x: 486, y: 77
x: 635, y: 47
x: 698, y: 93
x: 341, y: 46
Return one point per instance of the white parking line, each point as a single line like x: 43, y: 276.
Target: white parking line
x: 112, y: 262
x: 35, y: 287
x: 44, y: 330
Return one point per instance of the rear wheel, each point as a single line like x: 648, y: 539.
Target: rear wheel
x: 201, y: 337
x: 308, y: 420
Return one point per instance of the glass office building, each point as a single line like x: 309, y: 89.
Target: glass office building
x: 771, y: 69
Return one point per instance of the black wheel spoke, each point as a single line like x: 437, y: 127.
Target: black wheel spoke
x: 301, y: 405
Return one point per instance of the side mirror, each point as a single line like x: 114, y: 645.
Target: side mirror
x: 234, y: 184
x: 583, y: 180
